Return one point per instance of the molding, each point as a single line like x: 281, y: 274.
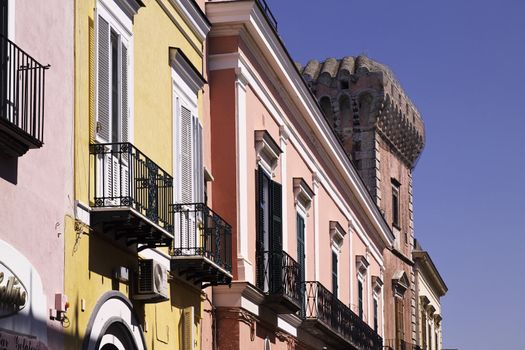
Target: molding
x: 302, y: 193
x: 267, y: 150
x: 240, y: 294
x: 186, y: 70
x: 130, y: 7
x: 400, y: 283
x: 235, y: 18
x: 377, y: 284
x: 361, y: 265
x: 422, y: 258
x: 193, y: 16
x: 337, y: 235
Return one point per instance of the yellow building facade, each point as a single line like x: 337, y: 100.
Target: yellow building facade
x: 138, y: 150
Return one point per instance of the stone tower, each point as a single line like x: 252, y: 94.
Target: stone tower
x: 383, y: 134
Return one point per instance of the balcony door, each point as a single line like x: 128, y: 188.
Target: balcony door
x: 269, y: 233
x: 4, y: 23
x: 113, y: 113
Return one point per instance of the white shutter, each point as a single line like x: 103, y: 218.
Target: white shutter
x: 106, y: 172
x: 199, y: 167
x: 124, y: 93
x: 186, y: 161
x: 103, y: 85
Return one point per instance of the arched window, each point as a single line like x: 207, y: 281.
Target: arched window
x: 326, y: 107
x: 345, y: 111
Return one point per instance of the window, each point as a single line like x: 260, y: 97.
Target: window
x: 360, y: 297
x: 113, y: 67
x: 301, y: 256
x: 335, y: 278
x: 4, y: 18
x: 429, y: 337
x: 269, y: 230
x: 424, y: 330
x: 189, y: 170
x: 395, y: 203
x: 113, y: 111
x: 376, y: 312
x: 400, y: 322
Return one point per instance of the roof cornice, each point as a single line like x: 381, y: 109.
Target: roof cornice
x: 423, y: 259
x: 229, y: 18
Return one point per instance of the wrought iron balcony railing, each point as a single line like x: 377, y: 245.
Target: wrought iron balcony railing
x: 268, y: 13
x: 394, y: 344
x: 202, y: 245
x: 22, y: 85
x: 278, y: 276
x: 125, y: 179
x: 321, y: 306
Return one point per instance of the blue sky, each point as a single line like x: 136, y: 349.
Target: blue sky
x: 461, y: 62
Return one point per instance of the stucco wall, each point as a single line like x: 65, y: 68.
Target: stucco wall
x: 36, y: 189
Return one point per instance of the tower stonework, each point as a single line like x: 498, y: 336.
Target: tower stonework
x: 383, y: 134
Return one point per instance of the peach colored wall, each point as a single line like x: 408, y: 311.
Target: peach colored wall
x: 224, y: 161
x: 36, y: 188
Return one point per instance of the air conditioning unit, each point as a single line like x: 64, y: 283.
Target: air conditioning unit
x: 152, y: 282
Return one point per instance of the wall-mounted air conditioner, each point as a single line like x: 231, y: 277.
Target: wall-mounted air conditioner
x: 152, y: 282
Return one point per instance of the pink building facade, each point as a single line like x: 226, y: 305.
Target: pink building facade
x: 36, y: 118
x: 308, y: 239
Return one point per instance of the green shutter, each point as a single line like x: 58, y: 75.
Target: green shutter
x: 276, y: 236
x: 259, y: 232
x: 335, y: 287
x: 360, y: 296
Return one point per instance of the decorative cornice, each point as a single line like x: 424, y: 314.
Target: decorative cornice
x: 427, y: 267
x: 303, y: 194
x: 337, y: 234
x: 192, y: 14
x: 130, y: 7
x: 182, y: 65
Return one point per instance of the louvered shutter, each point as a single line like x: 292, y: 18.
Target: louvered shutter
x: 186, y: 163
x: 335, y: 286
x: 276, y: 236
x: 301, y: 258
x: 399, y: 321
x: 188, y: 338
x: 124, y: 93
x: 259, y: 232
x: 103, y: 74
x: 424, y: 330
x: 199, y: 167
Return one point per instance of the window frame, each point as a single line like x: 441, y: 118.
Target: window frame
x: 396, y: 204
x: 122, y: 25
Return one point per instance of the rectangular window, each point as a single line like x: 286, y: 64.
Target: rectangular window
x: 395, y: 204
x: 269, y: 232
x: 301, y: 256
x: 429, y: 337
x: 360, y: 298
x: 400, y: 322
x: 424, y: 330
x: 112, y: 79
x: 189, y: 169
x: 335, y: 278
x: 376, y: 311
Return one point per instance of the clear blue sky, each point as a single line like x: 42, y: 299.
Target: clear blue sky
x: 462, y: 63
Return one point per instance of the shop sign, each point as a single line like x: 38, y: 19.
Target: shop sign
x: 12, y: 341
x: 13, y: 294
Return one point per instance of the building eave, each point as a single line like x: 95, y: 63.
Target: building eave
x: 230, y: 17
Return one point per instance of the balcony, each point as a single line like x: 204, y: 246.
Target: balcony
x: 22, y: 82
x: 131, y: 196
x: 327, y: 318
x: 279, y: 279
x: 393, y: 344
x: 202, y: 245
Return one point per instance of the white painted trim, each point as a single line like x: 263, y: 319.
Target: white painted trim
x: 222, y: 15
x: 250, y: 306
x: 11, y: 17
x: 245, y: 271
x: 316, y: 228
x: 240, y: 63
x: 191, y: 15
x: 287, y: 327
x: 122, y: 24
x: 284, y: 185
x: 302, y: 213
x: 351, y: 264
x: 111, y: 339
